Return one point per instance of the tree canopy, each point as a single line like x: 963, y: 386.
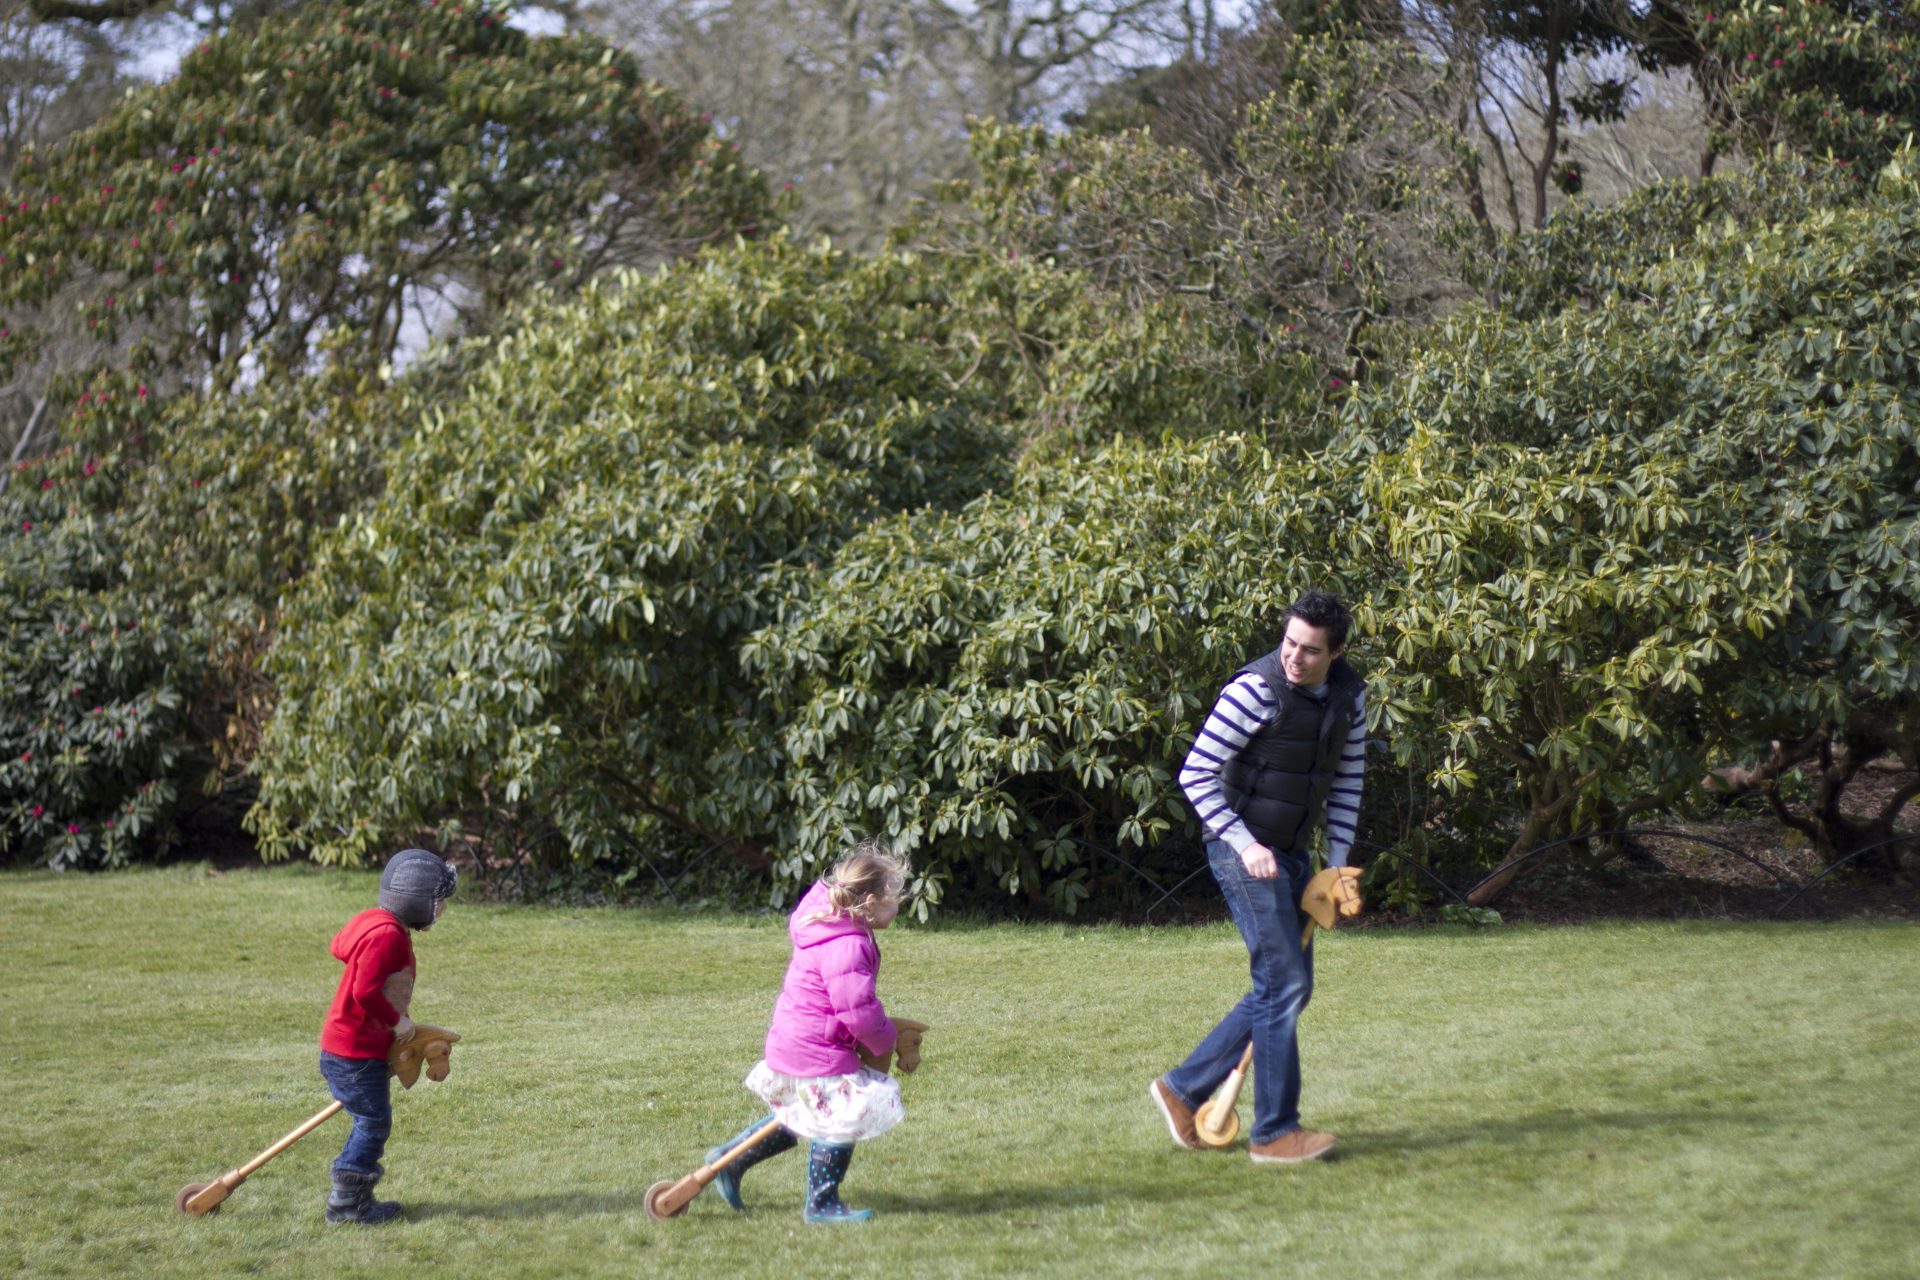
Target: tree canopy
x: 441, y: 436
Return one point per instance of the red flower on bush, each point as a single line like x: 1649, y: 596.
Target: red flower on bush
x: 38, y: 810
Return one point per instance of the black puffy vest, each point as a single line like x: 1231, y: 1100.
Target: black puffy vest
x: 1279, y: 783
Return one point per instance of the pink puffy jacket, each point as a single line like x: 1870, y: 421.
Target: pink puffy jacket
x: 827, y: 1005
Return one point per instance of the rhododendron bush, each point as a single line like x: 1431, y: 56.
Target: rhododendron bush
x: 237, y: 250
x: 536, y: 625
x: 1834, y: 80
x: 1618, y: 547
x: 1593, y: 555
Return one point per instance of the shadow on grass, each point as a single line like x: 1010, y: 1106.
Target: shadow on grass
x: 996, y: 1201
x: 579, y: 1204
x: 1572, y: 1129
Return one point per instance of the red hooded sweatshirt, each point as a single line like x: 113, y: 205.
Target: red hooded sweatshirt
x: 374, y: 946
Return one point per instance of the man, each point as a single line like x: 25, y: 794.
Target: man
x: 1282, y: 753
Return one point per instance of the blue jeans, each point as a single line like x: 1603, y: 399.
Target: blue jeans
x: 361, y: 1085
x: 1268, y: 915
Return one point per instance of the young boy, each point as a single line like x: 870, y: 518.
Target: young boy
x: 369, y: 1017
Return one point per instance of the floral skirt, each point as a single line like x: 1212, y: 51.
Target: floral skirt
x: 848, y: 1108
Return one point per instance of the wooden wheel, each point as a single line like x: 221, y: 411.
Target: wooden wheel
x: 1215, y: 1125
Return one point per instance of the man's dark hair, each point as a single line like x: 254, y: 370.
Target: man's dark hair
x: 1324, y: 610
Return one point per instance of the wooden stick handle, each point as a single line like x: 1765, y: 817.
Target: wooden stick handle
x: 1228, y: 1093
x: 246, y: 1170
x: 707, y: 1172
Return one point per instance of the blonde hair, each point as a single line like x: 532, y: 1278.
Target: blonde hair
x: 866, y: 871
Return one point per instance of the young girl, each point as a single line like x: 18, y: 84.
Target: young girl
x: 825, y: 1022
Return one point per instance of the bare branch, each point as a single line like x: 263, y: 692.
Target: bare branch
x: 102, y: 11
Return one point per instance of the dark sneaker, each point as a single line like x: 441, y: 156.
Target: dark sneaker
x: 1179, y: 1115
x: 1292, y: 1148
x: 352, y: 1200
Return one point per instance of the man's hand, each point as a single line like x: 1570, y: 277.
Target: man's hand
x: 402, y: 1030
x: 1259, y: 861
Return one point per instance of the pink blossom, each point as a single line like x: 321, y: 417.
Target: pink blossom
x: 88, y: 469
x: 26, y: 526
x: 73, y: 828
x: 46, y: 484
x: 38, y: 810
x: 141, y: 392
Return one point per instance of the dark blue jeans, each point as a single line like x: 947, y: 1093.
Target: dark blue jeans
x: 1268, y: 915
x: 362, y: 1086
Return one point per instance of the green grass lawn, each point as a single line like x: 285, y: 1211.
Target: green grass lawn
x: 1617, y: 1100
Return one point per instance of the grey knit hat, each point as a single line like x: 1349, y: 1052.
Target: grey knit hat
x: 413, y: 881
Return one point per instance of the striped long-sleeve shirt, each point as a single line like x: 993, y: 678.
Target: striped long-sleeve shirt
x: 1246, y: 706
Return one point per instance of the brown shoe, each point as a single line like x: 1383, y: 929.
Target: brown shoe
x: 1179, y: 1115
x: 1292, y: 1148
